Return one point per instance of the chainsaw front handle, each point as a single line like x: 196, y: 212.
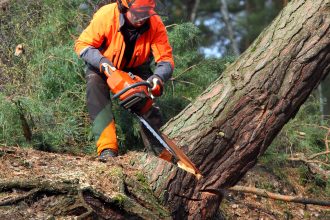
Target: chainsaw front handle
x: 157, y: 88
x: 108, y: 69
x: 144, y: 83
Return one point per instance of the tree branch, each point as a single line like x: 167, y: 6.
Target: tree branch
x: 267, y: 194
x: 186, y: 70
x: 17, y: 199
x: 313, y: 167
x: 318, y: 154
x: 171, y: 25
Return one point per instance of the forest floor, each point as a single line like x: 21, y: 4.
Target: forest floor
x: 42, y: 185
x: 24, y: 170
x: 239, y: 205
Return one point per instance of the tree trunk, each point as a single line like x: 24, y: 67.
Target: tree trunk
x: 194, y: 10
x: 319, y: 89
x: 234, y: 121
x: 326, y: 97
x: 229, y: 27
x: 190, y: 7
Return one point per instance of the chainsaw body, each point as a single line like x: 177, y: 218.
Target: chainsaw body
x: 133, y: 93
x: 131, y: 90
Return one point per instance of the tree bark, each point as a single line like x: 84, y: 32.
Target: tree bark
x: 285, y: 2
x: 232, y: 123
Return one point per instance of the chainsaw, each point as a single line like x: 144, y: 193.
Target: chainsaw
x: 135, y: 95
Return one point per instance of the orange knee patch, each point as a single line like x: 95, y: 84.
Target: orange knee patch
x: 108, y: 139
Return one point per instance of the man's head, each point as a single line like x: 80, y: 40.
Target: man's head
x: 137, y: 11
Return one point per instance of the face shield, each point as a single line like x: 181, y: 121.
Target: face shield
x: 143, y: 9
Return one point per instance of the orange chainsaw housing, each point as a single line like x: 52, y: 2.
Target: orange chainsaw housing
x: 137, y: 99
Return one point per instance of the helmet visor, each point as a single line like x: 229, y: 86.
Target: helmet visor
x: 142, y: 10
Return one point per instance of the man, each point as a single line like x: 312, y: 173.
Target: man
x: 122, y: 35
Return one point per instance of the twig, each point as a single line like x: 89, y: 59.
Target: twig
x: 186, y: 70
x: 187, y: 98
x: 267, y: 194
x: 313, y: 167
x: 173, y: 89
x: 186, y: 82
x: 318, y: 154
x: 171, y: 25
x: 326, y: 141
x: 60, y: 58
x: 307, y: 161
x: 318, y: 126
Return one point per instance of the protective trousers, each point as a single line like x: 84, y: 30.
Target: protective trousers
x: 100, y: 112
x: 99, y: 108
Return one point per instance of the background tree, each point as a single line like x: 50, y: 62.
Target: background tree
x: 228, y: 23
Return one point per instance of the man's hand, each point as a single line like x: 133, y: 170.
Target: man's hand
x: 106, y: 66
x: 157, y: 85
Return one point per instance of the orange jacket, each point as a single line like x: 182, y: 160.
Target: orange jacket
x: 103, y: 32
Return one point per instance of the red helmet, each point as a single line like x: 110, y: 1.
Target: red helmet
x: 140, y: 9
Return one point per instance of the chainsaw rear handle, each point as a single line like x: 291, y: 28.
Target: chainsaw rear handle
x: 145, y: 83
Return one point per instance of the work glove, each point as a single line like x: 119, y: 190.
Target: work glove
x: 157, y: 85
x: 106, y: 66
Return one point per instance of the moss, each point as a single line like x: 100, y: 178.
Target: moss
x: 116, y: 172
x: 141, y: 178
x: 253, y: 48
x: 120, y: 199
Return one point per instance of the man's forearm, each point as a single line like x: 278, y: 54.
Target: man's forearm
x: 92, y: 56
x: 164, y: 70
